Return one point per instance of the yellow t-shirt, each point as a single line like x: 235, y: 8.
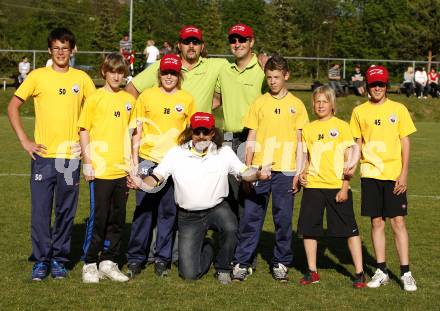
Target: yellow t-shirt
x: 57, y: 98
x: 325, y: 143
x: 276, y: 122
x: 106, y: 116
x: 163, y: 116
x: 381, y: 127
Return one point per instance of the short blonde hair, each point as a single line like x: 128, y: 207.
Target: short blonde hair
x: 114, y: 62
x: 329, y: 94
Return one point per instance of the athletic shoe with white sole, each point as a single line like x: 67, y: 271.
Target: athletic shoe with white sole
x: 379, y: 278
x: 90, y: 273
x: 39, y: 271
x: 408, y: 282
x: 109, y: 270
x: 280, y: 273
x: 311, y: 277
x: 239, y: 274
x: 57, y: 270
x: 223, y: 277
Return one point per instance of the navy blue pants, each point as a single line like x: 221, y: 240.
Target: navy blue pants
x: 251, y: 224
x: 146, y: 204
x: 51, y: 178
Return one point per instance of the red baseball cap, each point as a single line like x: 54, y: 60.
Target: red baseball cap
x: 202, y: 119
x: 170, y: 62
x: 377, y: 74
x: 190, y: 32
x: 241, y: 30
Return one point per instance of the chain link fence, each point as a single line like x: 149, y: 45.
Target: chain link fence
x: 304, y: 70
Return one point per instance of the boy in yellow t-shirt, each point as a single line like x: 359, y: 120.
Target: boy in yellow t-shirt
x: 275, y: 121
x: 105, y: 142
x: 381, y: 128
x: 58, y: 92
x: 162, y: 113
x: 326, y: 141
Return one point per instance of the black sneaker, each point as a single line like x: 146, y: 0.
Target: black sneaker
x: 161, y: 268
x: 133, y: 269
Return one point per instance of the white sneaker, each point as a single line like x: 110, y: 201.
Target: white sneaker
x: 90, y: 273
x: 109, y: 269
x: 408, y: 282
x: 379, y: 278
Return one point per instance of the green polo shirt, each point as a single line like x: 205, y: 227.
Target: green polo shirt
x: 239, y: 89
x: 199, y: 82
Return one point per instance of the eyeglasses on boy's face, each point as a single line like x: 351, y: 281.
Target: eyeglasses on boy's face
x: 202, y: 130
x: 240, y: 39
x: 377, y: 84
x: 188, y: 41
x: 169, y: 72
x: 57, y: 49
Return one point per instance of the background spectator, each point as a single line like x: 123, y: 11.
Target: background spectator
x: 151, y: 53
x: 408, y: 81
x: 23, y: 68
x: 334, y: 79
x: 358, y: 81
x: 167, y: 48
x: 433, y: 82
x: 125, y: 46
x: 421, y: 80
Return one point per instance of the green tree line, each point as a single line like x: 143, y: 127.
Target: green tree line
x: 381, y: 29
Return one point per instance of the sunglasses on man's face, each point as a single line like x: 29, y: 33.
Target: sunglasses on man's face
x: 202, y: 130
x: 188, y: 41
x: 233, y: 40
x: 379, y: 84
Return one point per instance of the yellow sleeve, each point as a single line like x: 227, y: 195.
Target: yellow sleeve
x: 139, y: 114
x: 87, y: 113
x: 27, y: 88
x: 133, y: 115
x: 89, y: 86
x: 251, y: 119
x: 406, y: 125
x: 346, y: 136
x: 304, y: 139
x: 191, y: 111
x: 355, y: 126
x: 303, y: 117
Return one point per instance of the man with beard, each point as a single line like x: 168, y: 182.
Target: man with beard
x: 200, y: 73
x: 199, y: 167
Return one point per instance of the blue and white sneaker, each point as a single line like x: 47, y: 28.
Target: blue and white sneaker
x: 58, y: 270
x: 39, y: 271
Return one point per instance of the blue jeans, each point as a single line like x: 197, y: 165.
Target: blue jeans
x: 196, y: 256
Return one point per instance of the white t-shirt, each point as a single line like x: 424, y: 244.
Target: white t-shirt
x: 200, y: 182
x: 153, y: 53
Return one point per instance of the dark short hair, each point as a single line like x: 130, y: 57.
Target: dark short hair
x: 277, y: 62
x: 63, y: 35
x: 187, y: 133
x: 114, y: 62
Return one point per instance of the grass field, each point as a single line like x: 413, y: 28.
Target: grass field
x: 259, y: 292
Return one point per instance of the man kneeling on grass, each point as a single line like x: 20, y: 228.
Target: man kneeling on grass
x: 199, y: 167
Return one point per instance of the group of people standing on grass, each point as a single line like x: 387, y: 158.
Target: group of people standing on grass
x: 158, y: 136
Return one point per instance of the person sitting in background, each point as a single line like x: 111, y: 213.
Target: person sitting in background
x: 433, y: 83
x: 334, y: 79
x: 421, y: 80
x: 408, y: 81
x: 358, y: 81
x: 23, y: 68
